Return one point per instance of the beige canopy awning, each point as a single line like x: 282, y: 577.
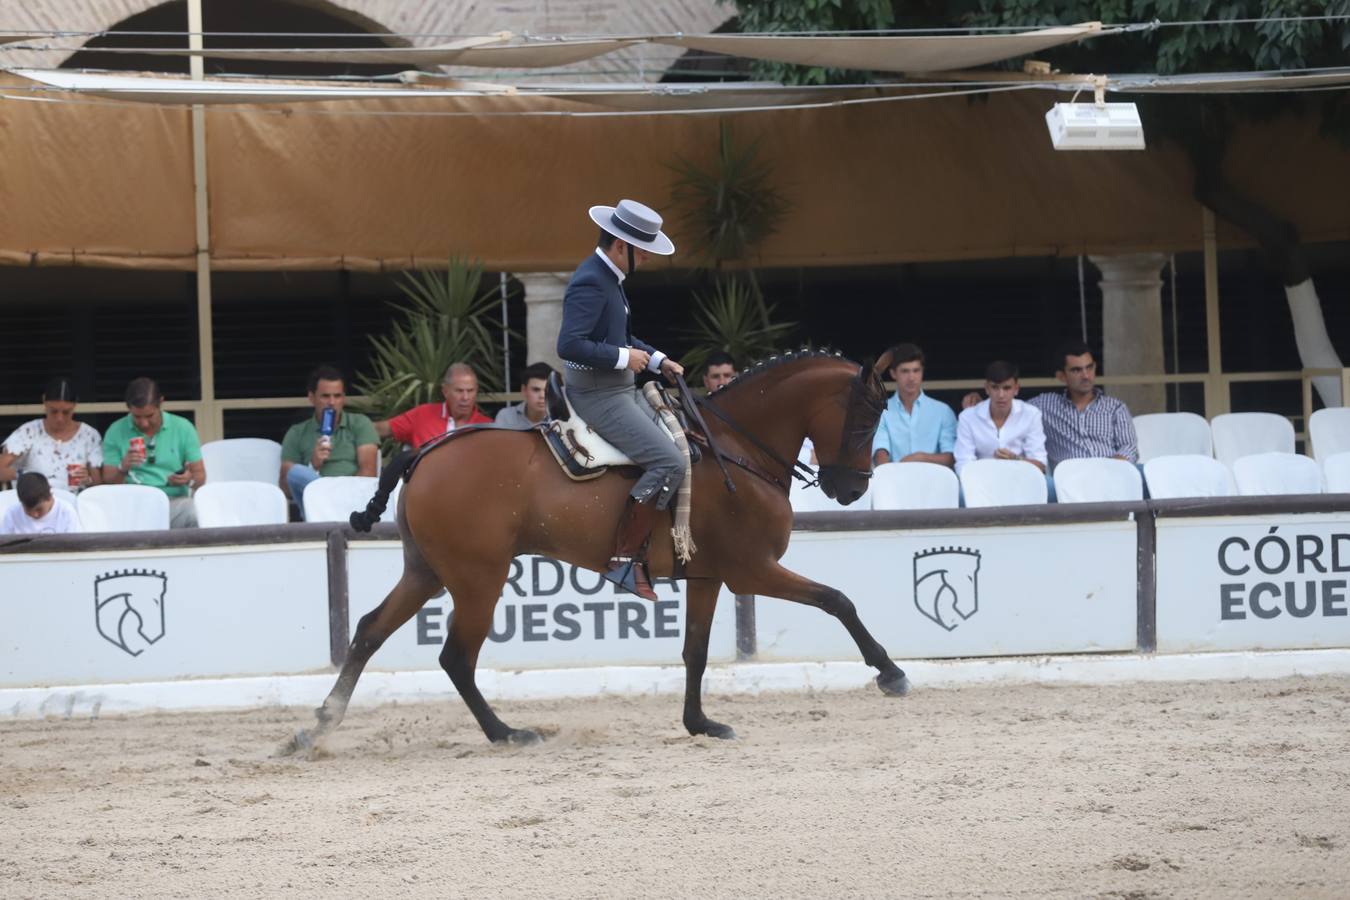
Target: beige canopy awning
x: 379, y: 184
x: 883, y: 53
x: 886, y: 53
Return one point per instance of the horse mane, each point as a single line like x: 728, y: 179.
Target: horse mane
x: 760, y: 366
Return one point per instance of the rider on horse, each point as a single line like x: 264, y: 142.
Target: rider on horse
x: 603, y: 357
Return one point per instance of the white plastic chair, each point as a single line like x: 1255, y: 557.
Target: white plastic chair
x: 1277, y: 473
x: 1097, y: 480
x: 1245, y: 434
x: 1002, y: 482
x: 1188, y: 475
x: 1170, y: 434
x: 229, y: 503
x: 335, y: 498
x: 242, y: 459
x: 123, y: 507
x: 915, y: 485
x: 1329, y: 432
x: 1336, y: 472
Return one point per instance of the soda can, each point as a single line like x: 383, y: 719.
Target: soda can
x: 328, y: 421
x: 138, y: 445
x: 73, y: 474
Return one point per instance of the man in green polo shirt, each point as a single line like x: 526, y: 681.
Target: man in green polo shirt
x: 307, y: 454
x: 157, y: 449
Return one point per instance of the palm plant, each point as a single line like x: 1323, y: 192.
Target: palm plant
x: 728, y: 209
x: 449, y: 317
x: 733, y: 317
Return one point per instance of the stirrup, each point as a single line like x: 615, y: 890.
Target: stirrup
x: 625, y: 576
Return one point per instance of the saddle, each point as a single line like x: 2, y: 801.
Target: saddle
x: 578, y: 448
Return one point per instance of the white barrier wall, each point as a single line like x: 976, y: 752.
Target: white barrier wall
x: 1254, y: 582
x: 550, y: 615
x: 1066, y: 588
x: 153, y: 615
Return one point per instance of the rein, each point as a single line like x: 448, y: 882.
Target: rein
x: 810, y: 479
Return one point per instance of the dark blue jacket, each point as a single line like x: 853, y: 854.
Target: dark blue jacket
x: 595, y: 321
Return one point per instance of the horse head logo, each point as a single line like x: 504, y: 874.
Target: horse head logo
x: 129, y: 608
x: 946, y: 584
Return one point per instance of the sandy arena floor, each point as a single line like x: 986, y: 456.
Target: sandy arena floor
x: 1174, y: 790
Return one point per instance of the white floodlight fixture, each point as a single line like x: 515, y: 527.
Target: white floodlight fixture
x: 1095, y: 126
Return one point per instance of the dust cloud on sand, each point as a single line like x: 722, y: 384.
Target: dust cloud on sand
x: 1136, y: 791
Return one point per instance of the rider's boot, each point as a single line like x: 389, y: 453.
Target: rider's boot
x: 628, y: 565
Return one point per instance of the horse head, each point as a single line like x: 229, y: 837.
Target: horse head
x: 845, y: 477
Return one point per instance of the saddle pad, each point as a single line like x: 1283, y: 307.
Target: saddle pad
x: 582, y: 452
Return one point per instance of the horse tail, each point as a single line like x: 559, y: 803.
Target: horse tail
x: 363, y: 520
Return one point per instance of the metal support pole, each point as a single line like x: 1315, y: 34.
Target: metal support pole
x: 506, y: 340
x: 746, y: 637
x: 210, y: 421
x: 339, y: 614
x: 1217, y: 400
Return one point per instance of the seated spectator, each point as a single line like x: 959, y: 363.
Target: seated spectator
x: 721, y: 368
x: 37, y: 511
x: 1081, y: 421
x: 307, y: 454
x: 155, y: 448
x: 459, y: 406
x: 1001, y: 427
x: 913, y: 427
x: 65, y: 452
x: 534, y: 408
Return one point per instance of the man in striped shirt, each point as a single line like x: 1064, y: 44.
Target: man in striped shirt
x: 1081, y: 421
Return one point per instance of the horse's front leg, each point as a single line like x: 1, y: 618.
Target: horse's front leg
x: 776, y: 581
x: 700, y: 604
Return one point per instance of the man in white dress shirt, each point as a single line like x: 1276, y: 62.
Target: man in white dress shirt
x: 1001, y: 427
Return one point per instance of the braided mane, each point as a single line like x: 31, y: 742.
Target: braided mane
x: 759, y: 367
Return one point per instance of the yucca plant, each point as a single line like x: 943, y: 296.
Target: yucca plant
x: 735, y: 318
x: 727, y: 209
x: 449, y: 317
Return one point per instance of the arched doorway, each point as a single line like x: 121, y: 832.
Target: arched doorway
x: 267, y: 24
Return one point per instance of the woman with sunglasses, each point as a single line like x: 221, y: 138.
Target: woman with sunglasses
x: 67, y: 452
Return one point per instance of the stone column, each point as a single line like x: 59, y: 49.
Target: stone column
x: 1132, y: 334
x: 543, y: 315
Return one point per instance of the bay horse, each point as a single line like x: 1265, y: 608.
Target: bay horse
x: 485, y: 497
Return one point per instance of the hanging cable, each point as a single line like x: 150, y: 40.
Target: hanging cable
x: 1176, y: 337
x: 1082, y: 300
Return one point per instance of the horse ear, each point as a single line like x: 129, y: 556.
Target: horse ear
x: 884, y: 364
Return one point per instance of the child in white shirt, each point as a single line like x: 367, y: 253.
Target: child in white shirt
x: 37, y: 511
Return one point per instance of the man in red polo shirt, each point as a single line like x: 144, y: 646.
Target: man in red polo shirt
x: 430, y: 420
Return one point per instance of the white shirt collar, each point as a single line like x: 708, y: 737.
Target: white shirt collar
x: 618, y: 273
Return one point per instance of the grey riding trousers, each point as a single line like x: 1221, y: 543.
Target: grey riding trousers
x: 610, y: 403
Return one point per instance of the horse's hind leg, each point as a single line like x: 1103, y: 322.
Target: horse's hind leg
x: 415, y: 587
x: 700, y: 604
x: 777, y: 581
x: 475, y: 598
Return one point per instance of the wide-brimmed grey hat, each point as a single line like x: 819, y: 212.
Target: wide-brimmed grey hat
x: 637, y: 224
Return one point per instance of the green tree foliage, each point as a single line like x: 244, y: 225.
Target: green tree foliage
x: 1203, y: 124
x: 449, y: 317
x: 811, y: 15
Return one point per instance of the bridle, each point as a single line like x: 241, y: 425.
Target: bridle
x: 796, y: 468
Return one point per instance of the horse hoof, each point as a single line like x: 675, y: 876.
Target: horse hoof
x: 300, y: 742
x: 894, y: 685
x: 719, y: 731
x: 713, y: 730
x: 523, y: 737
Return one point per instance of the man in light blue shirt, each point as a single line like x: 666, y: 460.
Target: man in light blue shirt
x: 914, y: 427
